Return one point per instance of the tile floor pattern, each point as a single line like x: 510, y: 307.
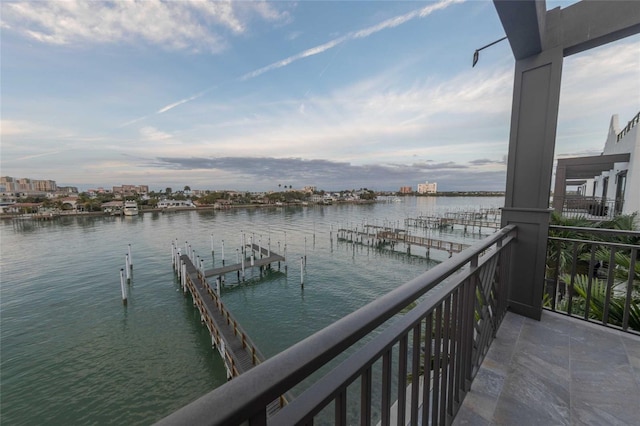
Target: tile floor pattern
x: 557, y: 371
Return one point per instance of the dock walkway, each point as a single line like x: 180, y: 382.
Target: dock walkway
x: 266, y: 258
x: 380, y: 236
x: 238, y: 352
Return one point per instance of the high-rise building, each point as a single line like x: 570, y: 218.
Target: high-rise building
x: 427, y: 188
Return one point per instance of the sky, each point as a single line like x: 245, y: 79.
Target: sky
x: 249, y: 95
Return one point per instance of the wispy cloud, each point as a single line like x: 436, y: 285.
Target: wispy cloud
x: 173, y: 25
x: 41, y: 154
x: 363, y: 33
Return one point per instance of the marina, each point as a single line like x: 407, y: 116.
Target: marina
x: 99, y: 361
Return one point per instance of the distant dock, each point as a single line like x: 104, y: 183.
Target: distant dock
x: 380, y: 236
x: 484, y: 218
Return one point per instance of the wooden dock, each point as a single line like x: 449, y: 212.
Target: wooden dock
x: 483, y: 219
x: 234, y: 345
x: 264, y: 261
x: 380, y: 236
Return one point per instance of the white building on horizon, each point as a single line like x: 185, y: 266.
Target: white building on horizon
x: 427, y: 188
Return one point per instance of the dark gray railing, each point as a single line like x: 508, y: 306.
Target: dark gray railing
x: 630, y: 125
x: 594, y: 274
x: 598, y: 208
x: 426, y: 357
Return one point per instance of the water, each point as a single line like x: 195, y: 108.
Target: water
x: 71, y: 353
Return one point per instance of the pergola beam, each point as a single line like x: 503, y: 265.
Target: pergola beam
x: 588, y: 24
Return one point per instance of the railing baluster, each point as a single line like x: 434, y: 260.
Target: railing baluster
x: 416, y: 350
x: 627, y: 302
x: 402, y: 379
x: 426, y: 384
x: 341, y: 408
x: 610, y: 275
x: 437, y: 351
x: 365, y: 398
x: 452, y: 366
x: 573, y: 276
x: 386, y: 387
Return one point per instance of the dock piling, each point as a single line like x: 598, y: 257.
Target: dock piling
x: 130, y: 258
x: 127, y: 268
x: 123, y: 287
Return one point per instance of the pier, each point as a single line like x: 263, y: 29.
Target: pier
x: 380, y: 236
x: 235, y: 347
x: 485, y: 218
x: 267, y: 257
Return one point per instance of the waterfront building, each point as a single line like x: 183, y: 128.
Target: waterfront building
x: 130, y: 190
x: 405, y: 190
x: 427, y: 188
x: 26, y: 185
x: 605, y: 184
x: 165, y: 204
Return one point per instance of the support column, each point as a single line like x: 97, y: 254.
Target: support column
x: 560, y: 187
x: 534, y: 117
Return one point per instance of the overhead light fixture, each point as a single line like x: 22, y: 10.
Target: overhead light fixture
x: 476, y: 54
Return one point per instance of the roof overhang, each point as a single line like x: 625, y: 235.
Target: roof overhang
x: 590, y: 167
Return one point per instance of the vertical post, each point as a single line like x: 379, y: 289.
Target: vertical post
x: 222, y: 252
x: 130, y: 258
x: 123, y: 287
x: 301, y: 272
x: 242, y: 260
x: 305, y: 250
x: 127, y: 268
x: 269, y: 247
x: 212, y: 251
x: 184, y: 277
x: 534, y: 119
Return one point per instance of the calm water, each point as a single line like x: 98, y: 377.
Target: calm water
x: 71, y: 353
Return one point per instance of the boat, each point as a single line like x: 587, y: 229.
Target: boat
x: 130, y: 208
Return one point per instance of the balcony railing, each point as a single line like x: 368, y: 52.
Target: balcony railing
x: 425, y: 342
x: 594, y: 274
x: 591, y: 207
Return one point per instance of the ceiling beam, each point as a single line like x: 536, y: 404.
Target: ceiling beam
x: 523, y: 22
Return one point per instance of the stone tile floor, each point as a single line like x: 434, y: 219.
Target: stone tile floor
x: 557, y: 371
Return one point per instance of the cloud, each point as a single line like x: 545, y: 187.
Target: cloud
x: 333, y: 174
x: 363, y: 33
x: 487, y: 162
x: 174, y: 25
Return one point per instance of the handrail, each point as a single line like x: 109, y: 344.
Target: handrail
x: 630, y: 125
x: 246, y: 397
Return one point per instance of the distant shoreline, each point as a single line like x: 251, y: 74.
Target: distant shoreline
x: 47, y: 216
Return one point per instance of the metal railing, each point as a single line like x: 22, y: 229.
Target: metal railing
x: 426, y: 356
x: 594, y: 274
x: 591, y: 207
x: 630, y: 125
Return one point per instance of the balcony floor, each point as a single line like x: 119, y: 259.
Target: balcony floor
x: 557, y: 371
